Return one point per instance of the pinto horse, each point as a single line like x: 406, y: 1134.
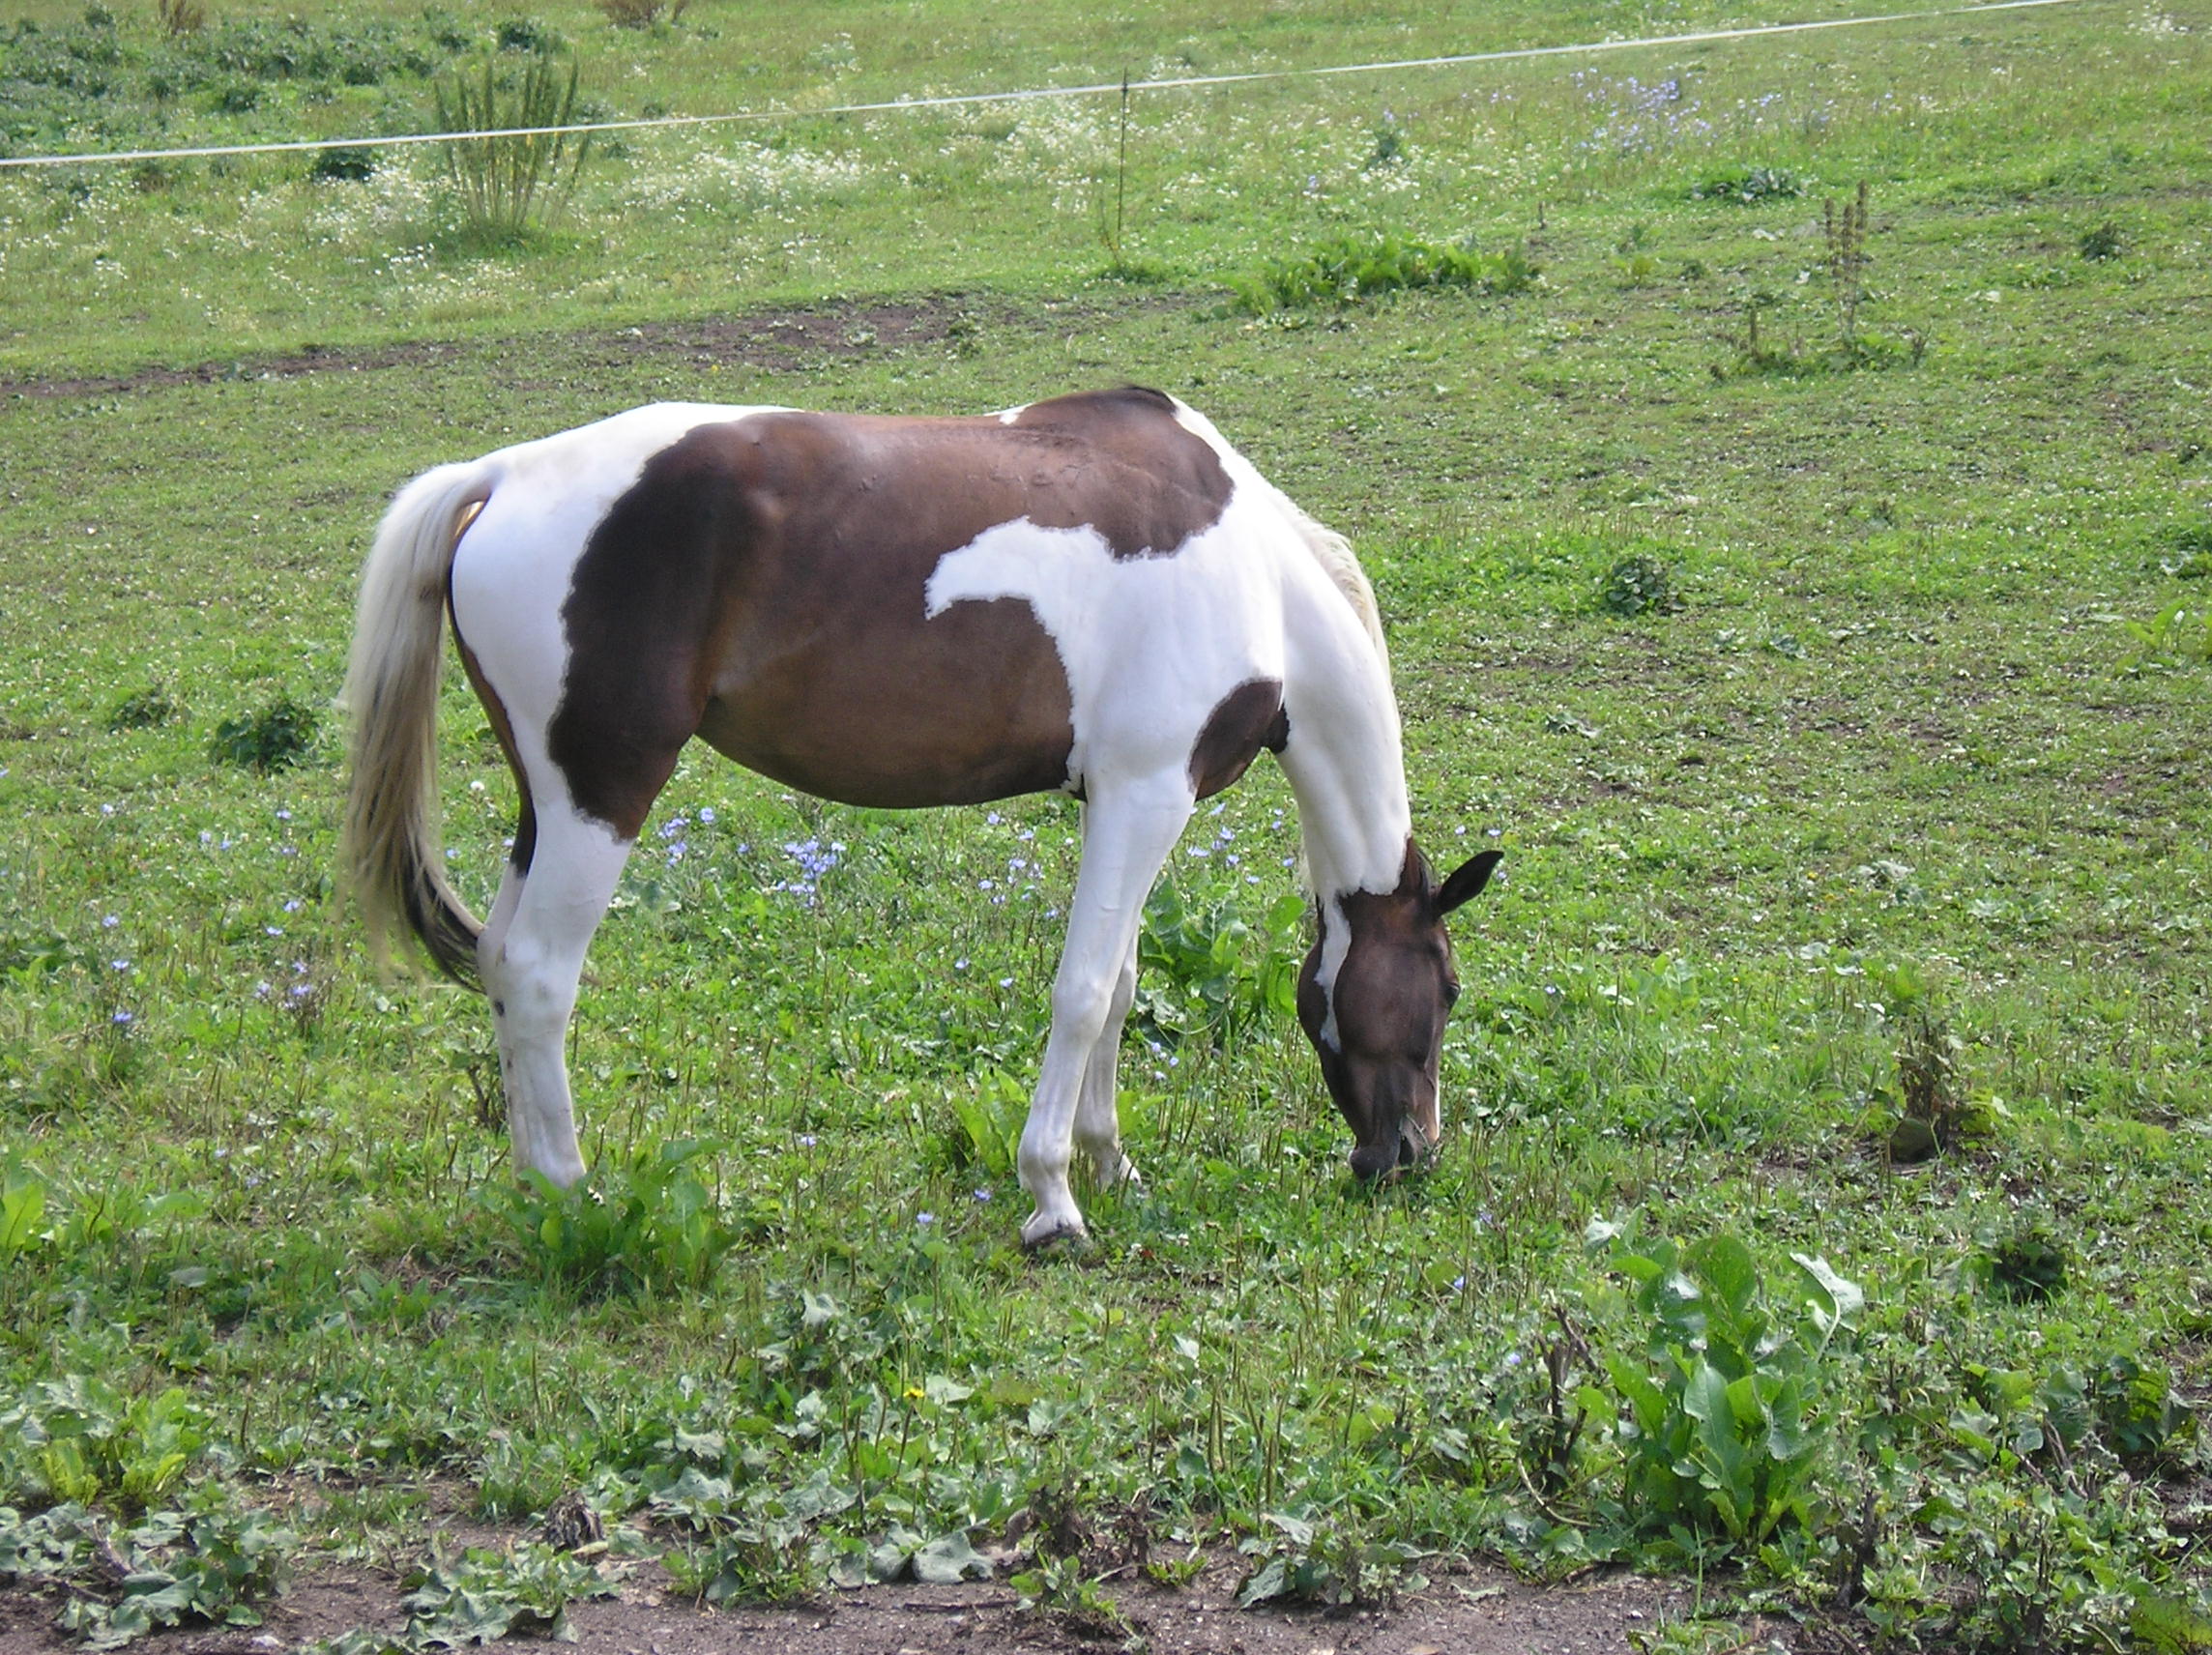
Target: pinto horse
x: 1094, y: 595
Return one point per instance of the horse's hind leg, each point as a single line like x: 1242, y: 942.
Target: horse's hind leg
x: 1127, y: 830
x: 531, y: 967
x: 1097, y: 1119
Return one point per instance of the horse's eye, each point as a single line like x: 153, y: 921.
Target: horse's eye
x: 1452, y: 994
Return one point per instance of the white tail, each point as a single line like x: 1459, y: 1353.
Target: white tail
x: 392, y: 849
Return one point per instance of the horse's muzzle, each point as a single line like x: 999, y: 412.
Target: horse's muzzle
x: 1378, y: 1163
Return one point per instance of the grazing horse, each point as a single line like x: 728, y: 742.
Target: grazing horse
x: 1094, y: 595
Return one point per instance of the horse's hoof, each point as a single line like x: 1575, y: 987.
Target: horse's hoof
x: 1067, y: 1235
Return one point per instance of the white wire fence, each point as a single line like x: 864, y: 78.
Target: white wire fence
x: 969, y: 100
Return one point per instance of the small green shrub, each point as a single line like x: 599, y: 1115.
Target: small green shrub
x: 1063, y: 1591
x: 528, y: 35
x: 1333, y: 1563
x: 748, y: 1563
x: 41, y: 955
x: 1214, y: 974
x: 1347, y: 269
x: 77, y: 1439
x: 482, y: 1595
x: 1722, y: 1433
x: 2190, y: 550
x: 1390, y: 143
x: 651, y: 1226
x: 1935, y: 1113
x: 1636, y: 269
x: 277, y: 738
x: 142, y: 710
x: 2026, y: 1262
x: 2141, y: 1416
x: 986, y: 1128
x: 208, y: 1564
x: 349, y: 164
x: 1637, y: 583
x: 2181, y: 630
x: 1748, y: 186
x: 2102, y: 243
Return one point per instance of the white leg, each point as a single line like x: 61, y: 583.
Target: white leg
x: 493, y: 936
x: 531, y: 965
x: 1098, y: 1121
x: 1128, y: 832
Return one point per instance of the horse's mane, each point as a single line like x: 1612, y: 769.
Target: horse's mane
x: 1334, y: 552
x: 1330, y: 549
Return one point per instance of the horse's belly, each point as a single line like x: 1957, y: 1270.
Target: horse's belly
x: 971, y: 706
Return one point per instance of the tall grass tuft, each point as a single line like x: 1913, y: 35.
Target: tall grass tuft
x: 176, y: 17
x: 522, y: 179
x: 641, y: 14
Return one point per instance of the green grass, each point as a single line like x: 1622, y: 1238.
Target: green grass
x: 1884, y: 756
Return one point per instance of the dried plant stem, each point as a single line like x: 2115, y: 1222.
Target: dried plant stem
x: 1847, y: 262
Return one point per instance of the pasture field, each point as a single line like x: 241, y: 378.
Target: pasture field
x: 1785, y: 647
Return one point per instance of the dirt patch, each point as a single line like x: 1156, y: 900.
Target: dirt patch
x: 1472, y: 1609
x: 775, y: 341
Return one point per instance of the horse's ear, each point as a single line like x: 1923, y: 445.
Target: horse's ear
x: 1467, y: 880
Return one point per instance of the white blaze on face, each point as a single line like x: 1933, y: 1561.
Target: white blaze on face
x: 1335, y: 943
x: 1149, y: 645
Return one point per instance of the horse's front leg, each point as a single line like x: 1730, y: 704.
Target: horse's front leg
x: 1097, y: 1119
x: 1128, y: 832
x: 530, y: 965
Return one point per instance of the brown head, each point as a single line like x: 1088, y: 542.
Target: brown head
x: 1377, y: 1025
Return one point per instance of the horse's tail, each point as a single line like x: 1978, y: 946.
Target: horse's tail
x: 391, y: 850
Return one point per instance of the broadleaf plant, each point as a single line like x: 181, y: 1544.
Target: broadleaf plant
x: 1722, y: 1428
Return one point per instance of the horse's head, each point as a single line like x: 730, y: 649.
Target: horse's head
x: 1374, y: 994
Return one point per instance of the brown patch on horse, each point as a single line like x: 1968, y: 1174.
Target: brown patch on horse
x: 763, y: 585
x: 1247, y: 718
x: 1164, y: 484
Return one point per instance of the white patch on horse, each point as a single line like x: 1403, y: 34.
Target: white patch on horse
x: 517, y: 561
x: 511, y: 573
x: 1149, y: 645
x: 1335, y: 943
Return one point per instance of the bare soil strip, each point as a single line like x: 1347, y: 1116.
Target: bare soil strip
x: 778, y: 340
x: 1474, y: 1609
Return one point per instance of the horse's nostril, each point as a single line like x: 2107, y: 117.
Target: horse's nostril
x: 1373, y: 1163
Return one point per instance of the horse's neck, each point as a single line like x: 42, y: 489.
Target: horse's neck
x: 1344, y: 758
